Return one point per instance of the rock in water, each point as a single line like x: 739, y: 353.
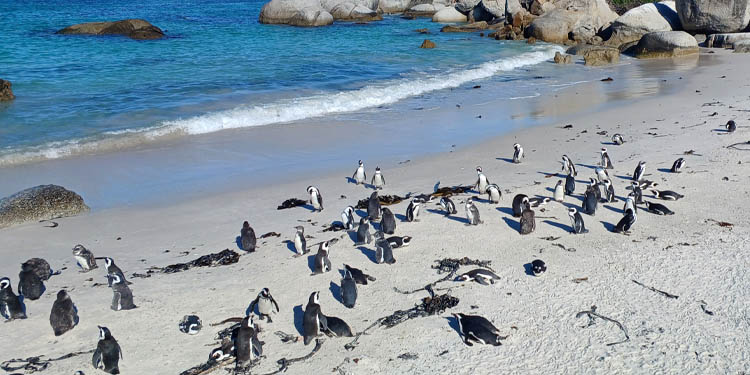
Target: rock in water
x: 427, y: 44
x: 43, y: 202
x: 726, y: 40
x: 714, y: 16
x: 295, y: 13
x: 5, y: 91
x: 132, y: 28
x: 601, y: 56
x: 666, y: 44
x: 742, y: 46
x: 563, y: 58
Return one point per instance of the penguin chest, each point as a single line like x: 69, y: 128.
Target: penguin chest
x: 298, y: 244
x: 83, y: 262
x: 378, y: 180
x: 559, y: 194
x: 494, y: 195
x: 360, y: 174
x: 264, y: 306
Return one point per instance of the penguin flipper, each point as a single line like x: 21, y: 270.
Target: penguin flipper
x: 482, y: 280
x: 119, y: 350
x: 96, y: 359
x: 116, y: 301
x: 323, y: 321
x: 276, y: 305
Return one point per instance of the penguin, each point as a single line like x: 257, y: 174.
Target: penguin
x: 398, y: 241
x: 576, y: 221
x: 658, y: 209
x: 617, y: 139
x: 602, y: 175
x: 223, y: 352
x: 731, y: 126
x: 247, y: 347
x: 527, y: 221
x: 40, y: 267
x: 300, y: 242
x: 570, y: 185
x: 609, y: 191
x: 637, y: 193
x: 313, y: 321
x: 348, y: 290
x: 64, y: 315
x: 630, y: 203
x: 567, y: 165
x: 378, y: 181
x: 448, y: 206
x: 11, y: 306
x: 347, y: 218
x: 606, y: 161
x: 388, y: 222
x: 112, y: 270
x: 517, y: 153
x: 667, y: 195
x: 639, y: 171
x: 337, y: 328
x: 108, y: 353
x: 359, y: 176
x: 266, y: 305
x: 559, y: 192
x: 315, y: 198
x: 358, y: 276
x: 322, y: 262
x: 122, y: 298
x: 538, y: 267
x: 247, y: 237
x: 595, y: 187
x: 412, y: 211
x: 29, y: 284
x: 520, y: 203
x: 589, y: 201
x: 478, y: 329
x: 537, y: 201
x: 383, y: 251
x: 480, y: 275
x: 190, y: 324
x: 678, y: 165
x: 85, y: 258
x: 373, y: 207
x: 363, y: 232
x: 472, y: 213
x: 627, y: 221
x: 482, y: 181
x: 493, y: 193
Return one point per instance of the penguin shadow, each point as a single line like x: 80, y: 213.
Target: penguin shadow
x: 361, y: 213
x: 608, y: 226
x: 308, y: 207
x: 299, y: 317
x: 335, y: 291
x: 623, y: 177
x: 613, y: 209
x: 311, y: 262
x: 350, y: 180
x: 400, y: 217
x: 550, y: 175
x: 238, y: 241
x: 479, y: 199
x: 609, y: 143
x: 564, y: 227
x: 505, y: 210
x: 528, y: 269
x: 352, y: 236
x: 507, y: 160
x: 290, y: 246
x: 665, y: 170
x: 248, y: 312
x: 588, y: 166
x: 435, y: 211
x: 369, y: 253
x: 721, y: 131
x: 453, y: 323
x: 459, y: 219
x: 513, y: 224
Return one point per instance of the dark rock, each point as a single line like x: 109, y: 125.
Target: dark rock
x: 427, y: 44
x: 132, y: 28
x: 43, y: 202
x: 6, y: 93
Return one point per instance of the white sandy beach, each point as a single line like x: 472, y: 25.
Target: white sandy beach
x: 686, y: 254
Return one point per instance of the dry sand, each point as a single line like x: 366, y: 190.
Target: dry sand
x: 686, y: 254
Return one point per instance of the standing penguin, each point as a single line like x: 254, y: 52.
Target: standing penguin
x: 606, y: 161
x: 373, y: 207
x: 640, y: 170
x: 11, y: 306
x: 300, y: 242
x: 590, y: 201
x: 576, y: 221
x: 359, y: 176
x: 383, y: 249
x: 388, y: 223
x: 315, y: 198
x: 630, y: 203
x: 122, y: 298
x: 347, y: 218
x: 478, y: 329
x: 517, y: 153
x: 108, y: 353
x: 472, y: 213
x: 84, y: 258
x: 448, y: 206
x: 595, y: 186
x: 617, y: 139
x: 678, y: 165
x: 246, y: 344
x: 363, y: 232
x: 567, y: 165
x: 322, y: 262
x: 112, y: 271
x: 29, y: 284
x: 266, y: 305
x: 731, y: 126
x: 627, y: 221
x: 482, y: 181
x: 559, y: 192
x: 348, y: 290
x: 609, y: 190
x: 570, y: 185
x: 527, y: 221
x: 378, y: 181
x: 64, y: 315
x: 247, y: 237
x: 493, y: 193
x: 313, y: 321
x: 412, y: 211
x: 601, y: 174
x: 637, y: 192
x: 520, y: 203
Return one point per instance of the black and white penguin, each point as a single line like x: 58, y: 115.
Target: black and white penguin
x: 112, y: 271
x: 226, y: 350
x: 493, y: 193
x: 388, y: 222
x: 300, y: 242
x: 337, y: 327
x: 313, y: 321
x: 637, y: 192
x: 247, y: 237
x: 84, y: 258
x: 108, y: 353
x: 517, y: 153
x: 570, y: 185
x: 399, y: 241
x: 602, y: 175
x: 322, y: 262
x: 373, y: 207
x: 359, y: 176
x: 472, y: 213
x: 576, y: 221
x: 266, y: 305
x: 606, y: 161
x: 528, y: 224
x: 412, y: 210
x: 11, y: 306
x: 348, y: 290
x: 122, y: 298
x: 29, y: 284
x: 731, y: 126
x: 559, y: 194
x: 567, y: 165
x: 247, y: 347
x: 667, y: 195
x: 589, y: 204
x: 627, y: 221
x: 480, y: 275
x: 595, y: 186
x: 64, y: 315
x: 617, y: 139
x: 315, y: 198
x: 640, y: 170
x: 630, y: 204
x: 363, y: 232
x: 538, y: 267
x: 478, y: 329
x: 609, y: 192
x: 383, y: 249
x: 347, y: 218
x: 658, y: 209
x: 190, y: 324
x: 537, y: 201
x: 378, y: 181
x: 520, y: 203
x: 482, y: 181
x: 678, y: 165
x: 448, y: 206
x: 358, y: 276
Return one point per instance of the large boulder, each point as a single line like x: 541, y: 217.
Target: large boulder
x: 498, y: 7
x: 563, y: 58
x: 725, y: 40
x: 423, y: 10
x: 295, y: 13
x: 449, y: 15
x: 132, y: 28
x: 466, y: 6
x: 468, y: 28
x: 394, y: 6
x: 583, y: 18
x: 665, y: 44
x: 742, y: 46
x: 352, y: 10
x: 6, y: 93
x: 43, y: 202
x: 632, y: 25
x: 714, y: 16
x: 596, y: 56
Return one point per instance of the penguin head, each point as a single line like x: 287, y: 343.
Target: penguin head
x: 377, y: 169
x: 516, y: 146
x: 26, y: 267
x: 379, y: 235
x: 300, y: 229
x: 559, y: 183
x: 324, y: 246
x: 479, y: 170
x: 364, y: 220
x: 730, y: 124
x: 604, y: 150
x: 655, y: 192
x: 347, y: 275
x: 405, y: 240
x: 314, y: 298
x: 642, y: 163
x: 648, y: 205
x: 538, y: 266
x: 311, y: 189
x: 464, y: 277
x: 265, y: 292
x: 245, y: 225
x: 62, y: 295
x: 79, y: 249
x: 349, y: 210
x: 104, y: 333
x: 218, y: 355
x: 572, y: 211
x: 374, y: 195
x: 360, y: 162
x: 458, y: 316
x: 4, y: 283
x: 469, y: 201
x: 247, y: 322
x: 108, y: 262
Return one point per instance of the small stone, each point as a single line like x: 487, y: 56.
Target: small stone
x: 427, y: 44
